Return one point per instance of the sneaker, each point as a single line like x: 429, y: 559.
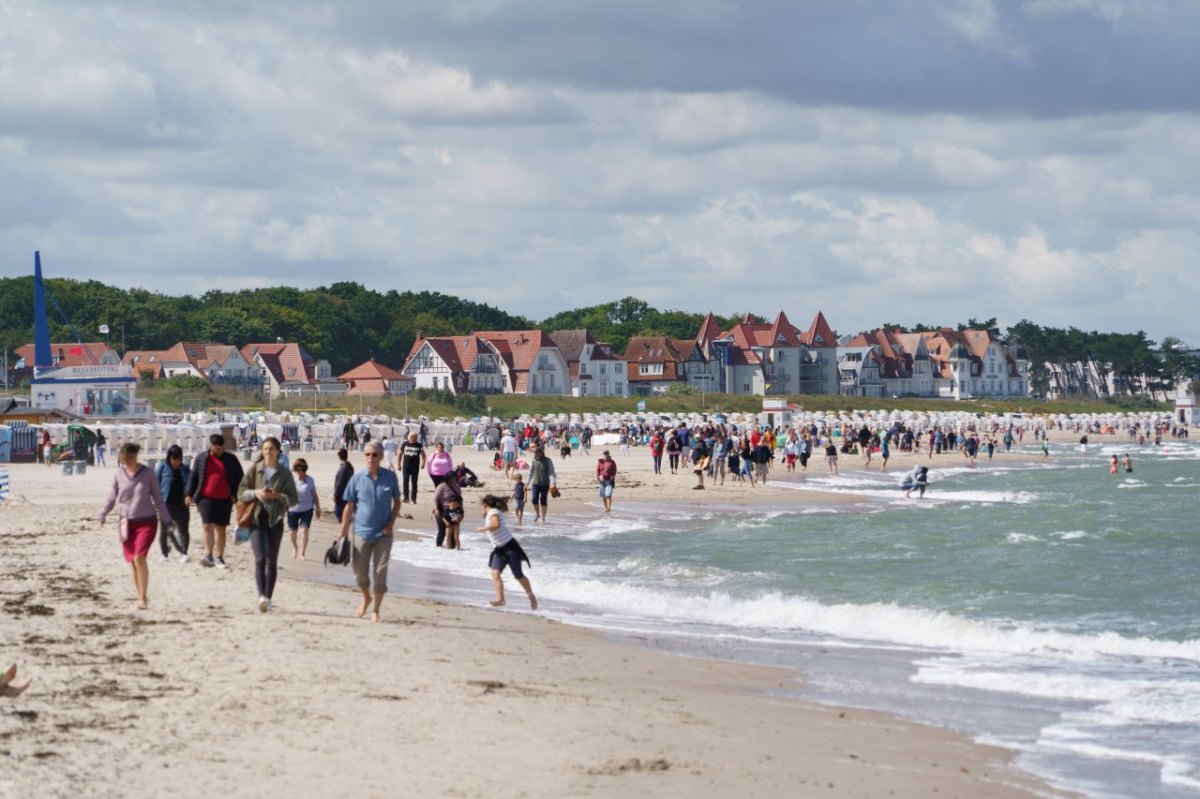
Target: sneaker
x: 184, y: 558
x: 264, y: 604
x: 164, y: 558
x: 220, y: 563
x: 207, y: 560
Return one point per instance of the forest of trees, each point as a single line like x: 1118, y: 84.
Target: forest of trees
x: 347, y: 323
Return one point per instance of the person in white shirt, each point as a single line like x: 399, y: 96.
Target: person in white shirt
x: 506, y: 550
x: 508, y: 453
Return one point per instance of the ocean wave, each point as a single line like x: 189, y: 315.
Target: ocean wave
x: 878, y: 622
x: 1020, y: 538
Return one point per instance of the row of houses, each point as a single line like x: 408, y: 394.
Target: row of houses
x: 948, y: 363
x: 766, y: 358
x: 278, y: 369
x: 750, y: 357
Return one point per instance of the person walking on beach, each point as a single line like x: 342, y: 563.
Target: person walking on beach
x: 700, y: 460
x: 172, y: 475
x: 761, y: 456
x: 606, y: 477
x: 349, y: 434
x: 412, y: 461
x: 719, y: 458
x: 657, y: 444
x: 673, y: 446
x: 271, y: 487
x: 142, y: 507
x: 448, y: 511
x: 102, y: 447
x: 439, y: 464
x: 506, y: 550
x: 215, y: 478
x: 831, y: 456
x: 300, y: 515
x: 518, y: 498
x: 372, y: 504
x: 541, y: 481
x: 508, y: 453
x: 340, y: 481
x: 885, y: 451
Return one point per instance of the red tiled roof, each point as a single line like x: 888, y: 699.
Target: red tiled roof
x: 72, y: 354
x: 371, y: 370
x: 288, y: 362
x: 710, y: 329
x: 524, y: 345
x: 819, y: 333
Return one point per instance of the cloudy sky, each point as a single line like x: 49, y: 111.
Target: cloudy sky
x: 884, y: 160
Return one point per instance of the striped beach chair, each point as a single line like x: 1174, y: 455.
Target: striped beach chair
x: 3, y: 484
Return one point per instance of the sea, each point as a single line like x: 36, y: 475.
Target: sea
x: 1050, y: 608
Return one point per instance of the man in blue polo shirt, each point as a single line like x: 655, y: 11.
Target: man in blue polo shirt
x: 372, y: 503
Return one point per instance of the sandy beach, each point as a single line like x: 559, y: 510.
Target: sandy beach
x: 203, y: 694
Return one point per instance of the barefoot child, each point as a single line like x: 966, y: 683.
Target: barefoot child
x: 507, y: 551
x: 518, y: 498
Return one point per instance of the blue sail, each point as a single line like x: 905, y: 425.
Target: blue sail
x: 41, y: 325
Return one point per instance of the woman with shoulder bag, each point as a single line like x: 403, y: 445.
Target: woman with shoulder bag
x: 272, y: 490
x: 142, y: 508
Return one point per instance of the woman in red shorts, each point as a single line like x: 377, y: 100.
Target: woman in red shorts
x: 141, y: 509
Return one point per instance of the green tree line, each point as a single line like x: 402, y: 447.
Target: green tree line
x: 347, y: 323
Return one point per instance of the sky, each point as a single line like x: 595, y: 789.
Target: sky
x: 896, y: 161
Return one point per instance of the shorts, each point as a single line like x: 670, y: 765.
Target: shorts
x: 520, y: 504
x: 606, y: 489
x: 538, y: 495
x: 141, y: 536
x: 215, y: 511
x: 509, y: 555
x: 300, y: 519
x: 371, y: 556
x: 509, y: 457
x: 791, y: 459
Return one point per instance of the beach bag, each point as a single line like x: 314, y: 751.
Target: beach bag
x: 338, y: 554
x: 244, y: 511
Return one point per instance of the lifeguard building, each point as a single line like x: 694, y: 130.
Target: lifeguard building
x: 100, y: 388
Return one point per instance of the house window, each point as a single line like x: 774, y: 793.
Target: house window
x: 650, y: 368
x: 582, y: 368
x: 603, y: 388
x: 543, y: 361
x: 603, y: 368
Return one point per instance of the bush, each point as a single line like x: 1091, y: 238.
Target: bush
x: 681, y: 389
x: 470, y: 403
x: 185, y: 382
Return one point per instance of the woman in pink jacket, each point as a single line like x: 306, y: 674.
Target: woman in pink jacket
x: 439, y: 464
x: 141, y: 509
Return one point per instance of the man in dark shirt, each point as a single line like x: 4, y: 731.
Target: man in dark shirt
x: 412, y: 462
x: 340, y: 481
x: 212, y: 487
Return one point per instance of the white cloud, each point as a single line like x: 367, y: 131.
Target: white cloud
x: 179, y: 150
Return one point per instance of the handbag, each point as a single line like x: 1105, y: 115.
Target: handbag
x: 338, y: 554
x: 244, y: 512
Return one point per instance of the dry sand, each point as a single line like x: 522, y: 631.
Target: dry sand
x: 202, y: 695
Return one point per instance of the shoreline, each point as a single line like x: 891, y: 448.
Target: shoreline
x: 579, y: 713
